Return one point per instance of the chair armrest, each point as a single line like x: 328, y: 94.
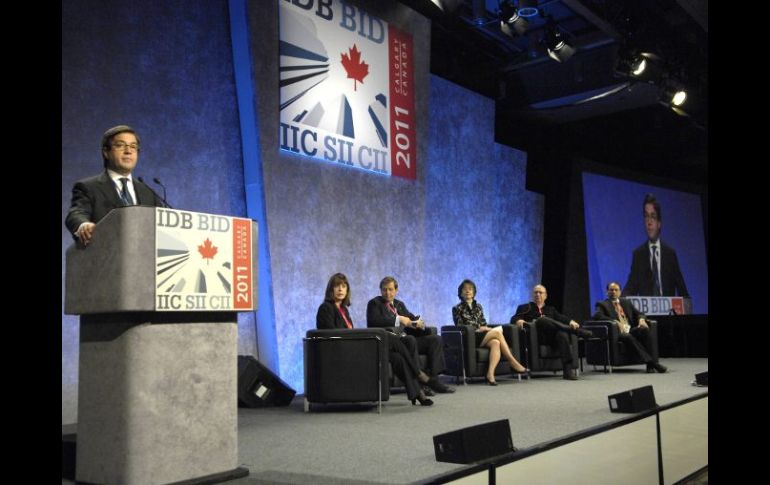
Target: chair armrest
x: 602, y: 328
x: 469, y: 344
x: 346, y: 365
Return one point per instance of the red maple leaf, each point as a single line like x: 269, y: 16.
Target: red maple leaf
x: 207, y: 250
x: 356, y: 68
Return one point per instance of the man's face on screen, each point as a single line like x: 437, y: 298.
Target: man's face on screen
x: 613, y: 292
x: 539, y: 295
x: 651, y: 222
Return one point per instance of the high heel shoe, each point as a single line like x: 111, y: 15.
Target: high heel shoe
x: 522, y: 373
x: 491, y: 383
x: 424, y: 401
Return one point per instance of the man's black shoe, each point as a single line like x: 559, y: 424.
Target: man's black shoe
x: 439, y: 386
x: 583, y: 333
x: 427, y: 390
x: 656, y: 366
x: 570, y: 374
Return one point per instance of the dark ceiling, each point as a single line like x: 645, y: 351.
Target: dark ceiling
x: 585, y: 106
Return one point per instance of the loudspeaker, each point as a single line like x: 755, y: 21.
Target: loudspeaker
x: 259, y: 387
x: 702, y: 379
x: 633, y: 401
x: 474, y: 443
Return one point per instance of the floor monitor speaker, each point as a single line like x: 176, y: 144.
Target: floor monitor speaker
x: 259, y: 387
x: 632, y: 401
x: 475, y: 443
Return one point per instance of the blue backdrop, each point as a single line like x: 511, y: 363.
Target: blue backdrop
x: 175, y: 71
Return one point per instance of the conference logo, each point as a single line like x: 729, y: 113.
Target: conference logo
x: 346, y: 88
x: 203, y: 262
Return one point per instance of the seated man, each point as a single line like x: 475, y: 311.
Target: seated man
x: 552, y: 327
x: 386, y: 311
x: 632, y: 326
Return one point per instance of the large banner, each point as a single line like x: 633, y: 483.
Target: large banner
x: 203, y: 262
x: 347, y: 87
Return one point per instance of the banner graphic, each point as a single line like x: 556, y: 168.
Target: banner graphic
x: 346, y: 88
x: 203, y: 262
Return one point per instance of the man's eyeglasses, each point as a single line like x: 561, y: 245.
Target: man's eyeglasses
x: 651, y: 217
x: 121, y: 145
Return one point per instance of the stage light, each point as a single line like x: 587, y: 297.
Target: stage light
x: 447, y: 6
x: 640, y: 66
x: 674, y: 95
x: 558, y: 49
x: 511, y: 21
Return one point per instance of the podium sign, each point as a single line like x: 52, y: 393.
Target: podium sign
x: 662, y: 305
x: 203, y: 262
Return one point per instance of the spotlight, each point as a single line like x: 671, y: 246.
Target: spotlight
x: 558, y: 49
x: 674, y: 95
x: 642, y: 66
x: 511, y: 20
x: 447, y: 6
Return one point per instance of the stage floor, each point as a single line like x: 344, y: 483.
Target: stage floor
x: 354, y: 444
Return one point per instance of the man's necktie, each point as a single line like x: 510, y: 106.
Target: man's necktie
x: 619, y: 310
x: 655, y: 273
x: 392, y: 308
x: 625, y: 327
x: 125, y: 195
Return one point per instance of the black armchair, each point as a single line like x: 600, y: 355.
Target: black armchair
x: 465, y: 360
x: 346, y: 366
x: 539, y: 356
x: 608, y: 350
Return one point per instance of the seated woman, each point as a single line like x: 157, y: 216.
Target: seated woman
x: 469, y: 312
x: 333, y: 313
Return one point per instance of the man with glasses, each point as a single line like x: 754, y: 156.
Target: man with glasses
x: 94, y: 197
x: 654, y: 265
x: 552, y: 327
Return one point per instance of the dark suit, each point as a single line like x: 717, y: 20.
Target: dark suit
x: 379, y: 315
x: 94, y: 197
x: 552, y: 327
x: 640, y: 280
x: 401, y: 358
x: 638, y: 340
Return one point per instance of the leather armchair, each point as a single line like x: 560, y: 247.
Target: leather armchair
x: 596, y: 349
x: 539, y: 356
x: 346, y: 366
x: 465, y: 360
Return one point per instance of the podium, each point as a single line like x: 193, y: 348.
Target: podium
x: 662, y: 305
x: 158, y: 291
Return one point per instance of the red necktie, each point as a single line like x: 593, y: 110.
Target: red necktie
x: 392, y: 308
x: 619, y: 309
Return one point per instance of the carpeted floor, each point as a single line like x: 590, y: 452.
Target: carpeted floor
x: 354, y: 444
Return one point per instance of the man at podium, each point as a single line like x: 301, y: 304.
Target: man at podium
x: 94, y: 197
x: 654, y: 265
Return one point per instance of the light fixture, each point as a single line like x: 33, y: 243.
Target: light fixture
x: 447, y: 6
x: 558, y: 49
x: 511, y: 21
x: 641, y: 66
x: 674, y: 95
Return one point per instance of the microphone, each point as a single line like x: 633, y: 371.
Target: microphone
x: 163, y: 199
x: 157, y: 181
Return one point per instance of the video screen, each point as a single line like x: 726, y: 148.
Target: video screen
x: 648, y: 239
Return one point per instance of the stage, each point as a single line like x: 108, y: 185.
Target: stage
x: 353, y: 444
